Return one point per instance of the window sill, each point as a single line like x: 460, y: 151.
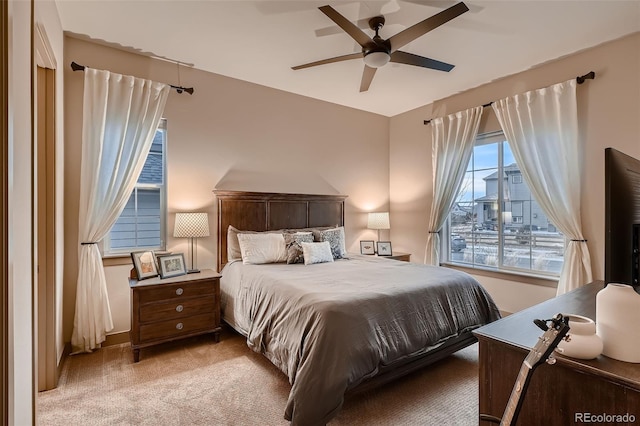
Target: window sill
x: 541, y: 280
x: 117, y: 260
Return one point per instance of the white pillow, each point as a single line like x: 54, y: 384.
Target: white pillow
x: 317, y: 252
x: 262, y: 248
x: 233, y: 245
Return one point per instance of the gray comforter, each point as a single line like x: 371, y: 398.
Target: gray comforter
x: 330, y: 326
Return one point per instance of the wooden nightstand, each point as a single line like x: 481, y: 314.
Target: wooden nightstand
x: 405, y: 257
x: 168, y: 309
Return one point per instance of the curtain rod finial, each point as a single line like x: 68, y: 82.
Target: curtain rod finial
x: 77, y: 67
x: 589, y: 76
x: 181, y: 89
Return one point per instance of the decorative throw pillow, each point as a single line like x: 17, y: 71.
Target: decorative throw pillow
x: 315, y: 230
x: 294, y: 249
x: 316, y: 252
x: 262, y: 248
x: 336, y: 239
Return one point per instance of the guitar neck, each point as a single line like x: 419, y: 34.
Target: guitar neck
x: 555, y: 330
x: 515, y: 400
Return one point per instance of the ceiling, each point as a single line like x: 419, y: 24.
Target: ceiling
x: 259, y: 41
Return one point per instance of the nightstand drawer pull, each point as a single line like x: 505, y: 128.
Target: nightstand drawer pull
x: 179, y: 326
x: 179, y: 308
x: 179, y: 291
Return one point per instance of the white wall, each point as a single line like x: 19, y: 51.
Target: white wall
x: 231, y: 135
x: 21, y: 384
x: 609, y: 115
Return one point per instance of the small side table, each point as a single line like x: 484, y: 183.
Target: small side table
x: 174, y: 308
x: 405, y: 257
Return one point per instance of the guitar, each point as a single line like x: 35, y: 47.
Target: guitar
x: 555, y: 329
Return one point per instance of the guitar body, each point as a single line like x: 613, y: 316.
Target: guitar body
x: 555, y: 330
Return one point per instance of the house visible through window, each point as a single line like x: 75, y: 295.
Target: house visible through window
x: 496, y: 223
x: 141, y: 225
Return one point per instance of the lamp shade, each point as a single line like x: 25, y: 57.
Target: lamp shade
x: 191, y: 225
x: 378, y: 221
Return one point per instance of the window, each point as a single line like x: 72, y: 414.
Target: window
x: 141, y: 225
x: 496, y: 223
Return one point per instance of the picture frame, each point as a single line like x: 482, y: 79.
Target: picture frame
x: 367, y: 247
x: 384, y: 248
x: 144, y: 263
x: 159, y: 254
x: 172, y: 265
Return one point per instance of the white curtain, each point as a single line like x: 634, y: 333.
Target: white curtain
x: 542, y: 129
x: 120, y: 117
x: 453, y: 138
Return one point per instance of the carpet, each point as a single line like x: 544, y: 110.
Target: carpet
x: 197, y: 382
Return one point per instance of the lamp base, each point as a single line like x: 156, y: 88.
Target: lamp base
x: 193, y: 271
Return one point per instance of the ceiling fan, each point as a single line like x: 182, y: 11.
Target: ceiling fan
x: 377, y: 52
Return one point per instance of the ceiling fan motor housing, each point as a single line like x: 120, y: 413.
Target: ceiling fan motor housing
x: 378, y: 53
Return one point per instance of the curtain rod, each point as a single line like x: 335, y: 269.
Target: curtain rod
x: 581, y: 79
x: 77, y: 67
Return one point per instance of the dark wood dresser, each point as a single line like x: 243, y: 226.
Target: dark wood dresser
x: 565, y: 393
x: 167, y: 309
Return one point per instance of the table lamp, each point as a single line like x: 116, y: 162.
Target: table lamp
x: 192, y: 226
x: 378, y: 221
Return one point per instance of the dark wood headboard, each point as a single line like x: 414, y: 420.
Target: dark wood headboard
x: 266, y: 211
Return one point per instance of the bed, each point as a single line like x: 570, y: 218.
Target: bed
x: 342, y: 326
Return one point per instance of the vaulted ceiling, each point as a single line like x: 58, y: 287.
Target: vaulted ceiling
x: 259, y: 41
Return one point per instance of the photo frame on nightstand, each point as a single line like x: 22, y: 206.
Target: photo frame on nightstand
x: 144, y: 263
x: 367, y: 247
x: 172, y: 265
x: 384, y: 248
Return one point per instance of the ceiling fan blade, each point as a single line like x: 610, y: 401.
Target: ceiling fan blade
x: 349, y: 27
x: 423, y: 27
x: 443, y: 3
x: 367, y: 77
x: 419, y: 61
x: 357, y: 55
x: 363, y: 24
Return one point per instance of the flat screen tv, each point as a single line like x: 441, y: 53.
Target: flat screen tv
x: 622, y: 218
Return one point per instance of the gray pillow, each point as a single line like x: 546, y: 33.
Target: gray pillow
x: 336, y: 240
x: 316, y: 231
x: 294, y: 249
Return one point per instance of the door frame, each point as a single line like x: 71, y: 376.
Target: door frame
x: 44, y: 203
x: 4, y: 219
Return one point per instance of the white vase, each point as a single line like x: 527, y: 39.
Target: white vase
x: 583, y: 342
x: 618, y: 322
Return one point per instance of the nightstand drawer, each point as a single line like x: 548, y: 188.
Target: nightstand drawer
x: 175, y: 291
x: 164, y: 310
x: 178, y: 308
x: 177, y: 327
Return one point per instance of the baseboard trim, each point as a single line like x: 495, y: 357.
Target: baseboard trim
x: 110, y: 340
x: 116, y: 339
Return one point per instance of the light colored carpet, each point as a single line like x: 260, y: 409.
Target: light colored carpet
x: 198, y: 382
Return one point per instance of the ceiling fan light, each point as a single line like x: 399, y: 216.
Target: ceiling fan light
x: 377, y: 59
